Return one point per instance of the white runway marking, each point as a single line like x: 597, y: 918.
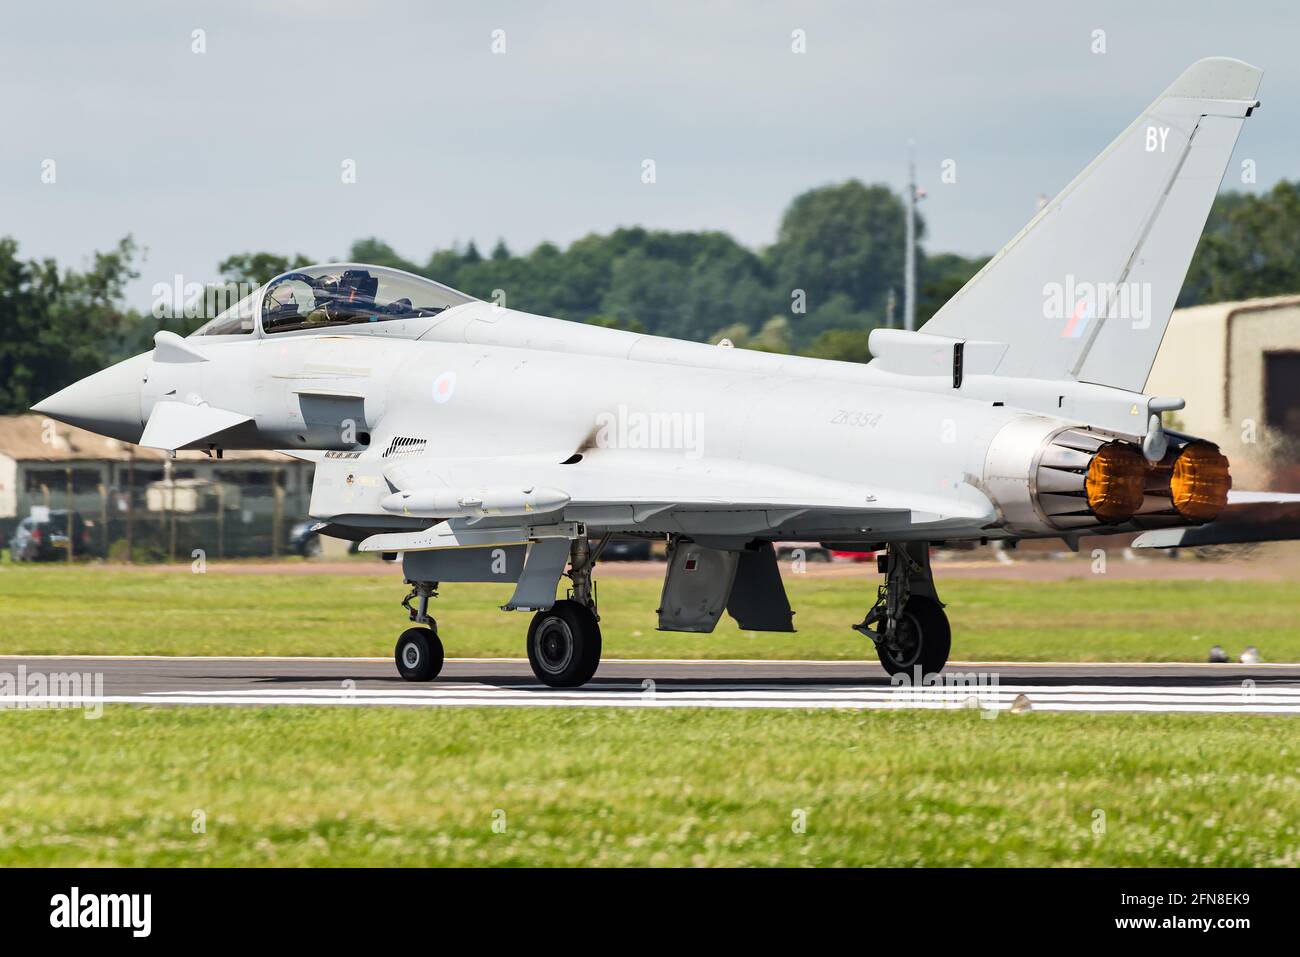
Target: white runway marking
x: 953, y: 665
x: 624, y: 683
x: 1132, y: 698
x: 799, y: 662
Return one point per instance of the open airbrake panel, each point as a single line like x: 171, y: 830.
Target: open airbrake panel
x: 702, y: 582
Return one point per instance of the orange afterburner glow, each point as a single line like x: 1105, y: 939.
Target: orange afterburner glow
x: 1116, y: 482
x: 1200, y: 482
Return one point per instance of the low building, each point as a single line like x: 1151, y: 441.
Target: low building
x: 1238, y: 366
x: 241, y: 504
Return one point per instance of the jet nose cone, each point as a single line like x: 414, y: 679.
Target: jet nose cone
x: 107, y: 402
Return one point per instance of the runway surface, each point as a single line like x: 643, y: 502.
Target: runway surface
x: 35, y: 682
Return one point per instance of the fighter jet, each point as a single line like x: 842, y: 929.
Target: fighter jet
x: 474, y: 442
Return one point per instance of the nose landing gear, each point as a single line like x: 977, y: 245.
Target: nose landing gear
x: 419, y: 650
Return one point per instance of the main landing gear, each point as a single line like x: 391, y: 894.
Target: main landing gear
x: 563, y: 641
x: 564, y: 644
x: 907, y: 622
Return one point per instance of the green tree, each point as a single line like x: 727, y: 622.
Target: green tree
x: 737, y: 334
x: 610, y: 322
x: 726, y: 284
x: 646, y: 289
x: 844, y: 239
x: 775, y: 336
x: 444, y: 266
x: 59, y: 326
x: 836, y: 312
x: 1249, y: 248
x: 846, y: 345
x: 258, y: 268
x: 939, y: 278
x: 378, y: 253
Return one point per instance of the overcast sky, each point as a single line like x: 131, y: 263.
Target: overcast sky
x: 241, y: 147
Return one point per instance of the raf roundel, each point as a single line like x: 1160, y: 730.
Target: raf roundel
x: 444, y: 386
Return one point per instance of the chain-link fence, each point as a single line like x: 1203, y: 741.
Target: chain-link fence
x: 160, y: 521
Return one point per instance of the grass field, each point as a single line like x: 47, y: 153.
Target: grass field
x: 47, y: 610
x: 308, y: 786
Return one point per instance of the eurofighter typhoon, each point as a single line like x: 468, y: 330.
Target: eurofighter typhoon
x: 473, y: 442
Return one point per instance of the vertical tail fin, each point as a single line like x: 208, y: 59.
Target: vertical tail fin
x: 1085, y: 290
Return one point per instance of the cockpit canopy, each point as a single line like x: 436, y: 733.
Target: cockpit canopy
x: 340, y: 294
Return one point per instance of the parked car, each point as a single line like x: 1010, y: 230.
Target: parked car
x: 307, y: 543
x: 46, y: 539
x: 860, y: 557
x: 303, y: 540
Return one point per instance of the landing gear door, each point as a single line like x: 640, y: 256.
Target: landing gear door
x: 696, y: 587
x: 758, y: 601
x: 541, y: 573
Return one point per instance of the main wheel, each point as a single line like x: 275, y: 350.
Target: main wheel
x: 419, y: 654
x: 923, y: 638
x: 564, y: 645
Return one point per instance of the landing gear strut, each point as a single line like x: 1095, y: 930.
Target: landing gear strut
x: 419, y: 650
x: 564, y: 640
x: 907, y: 622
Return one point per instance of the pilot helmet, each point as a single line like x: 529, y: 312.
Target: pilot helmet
x: 354, y: 285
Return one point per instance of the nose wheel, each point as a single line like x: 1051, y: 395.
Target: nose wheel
x: 564, y: 644
x: 418, y: 654
x: 419, y: 651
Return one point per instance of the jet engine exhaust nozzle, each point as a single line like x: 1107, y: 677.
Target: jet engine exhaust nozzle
x: 1115, y: 482
x: 1200, y: 482
x: 1085, y: 479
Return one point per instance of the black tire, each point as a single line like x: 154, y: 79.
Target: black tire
x: 564, y: 645
x: 418, y: 654
x: 923, y: 618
